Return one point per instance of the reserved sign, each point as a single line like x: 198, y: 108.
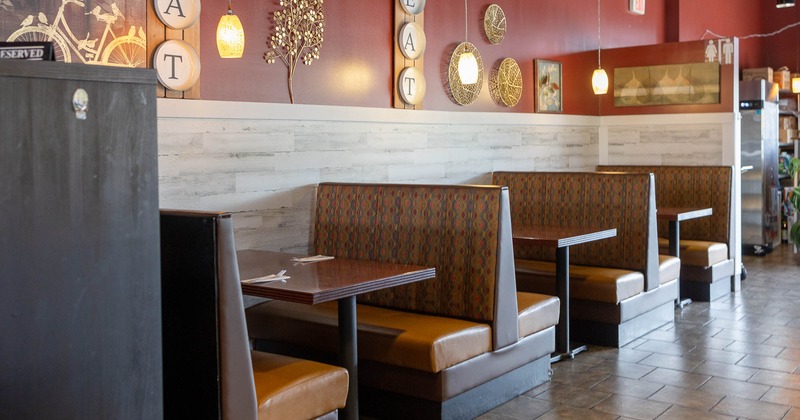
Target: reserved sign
x: 27, y: 51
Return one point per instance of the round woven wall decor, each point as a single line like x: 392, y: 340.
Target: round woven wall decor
x: 494, y: 24
x: 506, y: 83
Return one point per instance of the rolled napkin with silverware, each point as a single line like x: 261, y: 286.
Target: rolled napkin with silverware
x: 280, y: 277
x: 313, y: 258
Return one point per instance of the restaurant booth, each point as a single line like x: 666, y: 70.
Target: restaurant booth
x: 232, y: 142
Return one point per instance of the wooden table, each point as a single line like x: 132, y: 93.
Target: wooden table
x: 674, y: 215
x: 336, y: 279
x: 561, y: 238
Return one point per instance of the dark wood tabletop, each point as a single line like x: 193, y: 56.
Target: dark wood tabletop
x: 559, y: 237
x: 682, y: 213
x: 322, y: 281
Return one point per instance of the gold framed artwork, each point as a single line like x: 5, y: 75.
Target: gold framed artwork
x: 670, y: 84
x: 547, y: 81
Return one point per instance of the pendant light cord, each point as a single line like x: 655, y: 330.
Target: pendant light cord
x: 598, y: 34
x: 466, y: 21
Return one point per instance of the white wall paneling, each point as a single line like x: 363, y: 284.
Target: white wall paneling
x: 263, y: 161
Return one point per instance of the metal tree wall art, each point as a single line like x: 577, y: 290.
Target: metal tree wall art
x: 298, y: 35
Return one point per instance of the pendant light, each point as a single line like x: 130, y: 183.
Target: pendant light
x: 230, y: 35
x: 599, y: 77
x: 467, y: 63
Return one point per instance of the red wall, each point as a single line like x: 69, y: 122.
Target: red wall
x: 782, y: 49
x: 356, y: 62
x: 727, y: 18
x: 355, y: 65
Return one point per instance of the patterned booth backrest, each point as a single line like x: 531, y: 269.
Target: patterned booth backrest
x: 455, y: 228
x: 587, y: 199
x: 692, y: 186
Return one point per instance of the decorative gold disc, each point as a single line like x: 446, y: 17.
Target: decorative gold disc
x: 464, y: 94
x: 494, y: 24
x: 506, y: 83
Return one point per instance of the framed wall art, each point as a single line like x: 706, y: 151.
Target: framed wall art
x: 547, y: 90
x: 669, y: 84
x: 636, y: 6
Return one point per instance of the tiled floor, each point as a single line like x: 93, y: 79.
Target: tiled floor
x: 737, y: 357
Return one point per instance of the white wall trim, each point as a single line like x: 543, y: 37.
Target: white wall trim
x: 668, y: 119
x: 202, y: 109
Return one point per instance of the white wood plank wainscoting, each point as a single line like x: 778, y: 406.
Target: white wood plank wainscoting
x: 263, y: 161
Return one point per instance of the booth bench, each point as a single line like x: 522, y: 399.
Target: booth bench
x: 620, y: 288
x: 209, y: 370
x: 451, y: 347
x: 706, y: 245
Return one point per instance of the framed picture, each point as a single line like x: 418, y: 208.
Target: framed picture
x: 636, y: 6
x: 548, y: 86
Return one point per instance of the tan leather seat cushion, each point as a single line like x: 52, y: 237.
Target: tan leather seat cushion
x: 669, y: 268
x: 423, y: 342
x: 536, y: 312
x: 289, y: 388
x: 599, y: 284
x: 697, y: 253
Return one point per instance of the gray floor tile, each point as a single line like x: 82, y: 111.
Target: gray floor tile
x: 780, y: 379
x: 724, y: 370
x: 671, y: 362
x: 623, y: 354
x: 520, y: 408
x: 689, y: 398
x: 664, y: 348
x: 782, y: 396
x: 573, y: 396
x: 624, y: 369
x: 581, y: 379
x: 734, y: 388
x: 566, y: 413
x: 740, y: 335
x: 713, y: 362
x: 676, y: 378
x: 790, y: 353
x: 632, y: 407
x: 713, y: 355
x: 677, y: 412
x: 756, y: 349
x: 783, y: 341
x: 769, y: 363
x: 627, y: 386
x: 756, y: 410
x: 794, y: 414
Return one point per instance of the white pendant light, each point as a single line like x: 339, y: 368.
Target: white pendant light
x: 230, y: 35
x: 599, y: 77
x: 600, y: 82
x: 467, y: 63
x: 468, y: 68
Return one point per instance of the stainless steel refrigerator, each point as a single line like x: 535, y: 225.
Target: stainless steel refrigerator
x: 758, y: 106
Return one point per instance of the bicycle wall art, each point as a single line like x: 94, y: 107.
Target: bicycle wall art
x: 101, y: 32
